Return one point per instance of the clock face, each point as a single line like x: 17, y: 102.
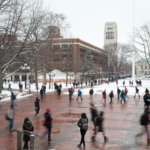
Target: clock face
x: 109, y: 35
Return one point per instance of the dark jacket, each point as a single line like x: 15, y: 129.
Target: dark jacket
x: 37, y: 104
x: 146, y: 119
x: 83, y: 116
x: 99, y: 123
x: 59, y: 90
x: 41, y: 91
x: 111, y: 95
x: 29, y: 127
x: 48, y: 120
x: 91, y: 92
x: 146, y: 99
x: 94, y: 113
x: 118, y: 91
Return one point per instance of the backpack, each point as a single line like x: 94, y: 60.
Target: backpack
x: 142, y: 119
x: 84, y: 123
x: 6, y: 116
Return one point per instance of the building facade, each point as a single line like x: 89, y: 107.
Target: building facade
x: 110, y: 33
x: 142, y: 67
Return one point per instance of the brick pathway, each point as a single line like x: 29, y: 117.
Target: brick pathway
x: 121, y: 124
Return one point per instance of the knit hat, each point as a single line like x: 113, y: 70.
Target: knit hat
x: 48, y: 110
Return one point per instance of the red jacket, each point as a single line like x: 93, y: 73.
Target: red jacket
x: 126, y: 90
x: 104, y: 94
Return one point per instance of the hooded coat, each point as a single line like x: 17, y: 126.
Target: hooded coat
x: 123, y: 95
x: 99, y: 122
x: 83, y: 116
x: 29, y: 127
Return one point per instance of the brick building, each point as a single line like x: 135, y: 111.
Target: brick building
x: 67, y: 53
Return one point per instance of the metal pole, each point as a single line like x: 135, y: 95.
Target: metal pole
x: 70, y: 79
x: 133, y: 53
x: 32, y: 138
x: 19, y: 139
x: 49, y: 81
x: 25, y: 77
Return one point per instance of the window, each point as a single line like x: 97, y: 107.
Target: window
x: 16, y: 77
x: 110, y: 35
x: 145, y: 67
x: 64, y: 57
x: 70, y: 47
x: 56, y: 58
x: 70, y: 58
x: 23, y: 77
x: 64, y: 68
x: 145, y: 72
x: 64, y: 47
x: 56, y: 48
x: 141, y: 66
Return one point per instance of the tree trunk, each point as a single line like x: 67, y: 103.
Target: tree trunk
x: 1, y: 80
x: 31, y: 77
x: 45, y: 81
x: 36, y: 75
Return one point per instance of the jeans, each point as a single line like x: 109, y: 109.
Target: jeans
x: 80, y: 97
x: 70, y: 98
x: 11, y: 123
x: 25, y: 145
x: 41, y: 96
x: 91, y: 97
x: 81, y: 86
x: 136, y: 93
x: 13, y: 103
x: 110, y: 100
x: 123, y: 99
x: 83, y: 132
x: 49, y: 132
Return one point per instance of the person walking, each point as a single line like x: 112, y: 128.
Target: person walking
x: 91, y: 84
x: 99, y: 124
x: 117, y: 82
x: 126, y: 92
x: 13, y: 97
x: 59, y: 92
x: 28, y: 127
x: 146, y: 98
x: 37, y: 88
x: 41, y: 93
x: 83, y: 125
x: 123, y: 83
x: 144, y: 121
x: 79, y: 95
x: 9, y: 86
x: 136, y: 92
x: 48, y: 123
x: 123, y: 96
x: 10, y: 115
x: 37, y: 106
x: 70, y: 94
x: 91, y: 92
x: 94, y: 114
x: 118, y: 92
x: 81, y: 84
x: 44, y: 89
x: 104, y: 95
x: 21, y: 87
x: 60, y: 85
x: 111, y: 95
x: 132, y: 83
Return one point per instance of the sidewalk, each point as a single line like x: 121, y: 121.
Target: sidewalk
x: 121, y: 123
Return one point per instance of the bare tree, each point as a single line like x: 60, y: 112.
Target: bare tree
x: 119, y: 55
x: 141, y: 41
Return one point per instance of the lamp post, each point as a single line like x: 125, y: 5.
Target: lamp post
x: 49, y: 79
x: 25, y: 68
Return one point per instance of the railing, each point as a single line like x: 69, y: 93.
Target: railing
x: 20, y: 138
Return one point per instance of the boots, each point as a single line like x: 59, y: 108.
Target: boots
x: 105, y: 139
x: 93, y: 138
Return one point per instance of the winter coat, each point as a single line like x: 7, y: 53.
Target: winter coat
x: 37, y: 104
x: 72, y: 89
x: 59, y: 90
x: 137, y: 90
x: 99, y: 123
x: 79, y: 93
x: 80, y: 122
x: 48, y: 120
x: 118, y: 91
x: 70, y: 92
x: 126, y: 90
x: 146, y: 99
x: 12, y: 95
x: 21, y: 86
x: 91, y: 92
x: 123, y: 95
x: 94, y: 113
x: 41, y: 92
x: 104, y: 94
x: 111, y: 95
x: 29, y: 127
x: 11, y: 113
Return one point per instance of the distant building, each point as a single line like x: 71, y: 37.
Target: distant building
x: 110, y: 33
x: 142, y: 67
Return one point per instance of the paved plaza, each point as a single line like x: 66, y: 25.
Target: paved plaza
x: 121, y: 123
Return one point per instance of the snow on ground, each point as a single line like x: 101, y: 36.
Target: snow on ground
x: 33, y: 86
x: 112, y: 86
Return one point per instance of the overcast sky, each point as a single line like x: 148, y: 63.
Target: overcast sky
x: 87, y: 17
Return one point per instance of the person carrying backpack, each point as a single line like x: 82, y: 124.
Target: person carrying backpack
x: 111, y: 95
x: 94, y: 114
x: 10, y: 116
x: 79, y: 95
x: 144, y: 121
x: 136, y: 92
x: 83, y: 125
x: 118, y: 92
x: 13, y: 97
x: 99, y: 124
x: 123, y: 96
